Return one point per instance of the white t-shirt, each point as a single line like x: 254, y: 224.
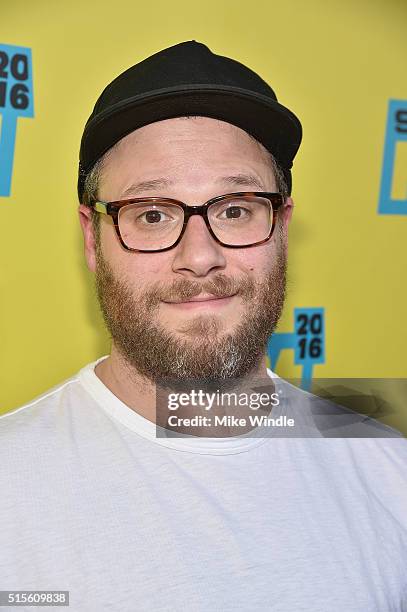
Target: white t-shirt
x: 93, y: 503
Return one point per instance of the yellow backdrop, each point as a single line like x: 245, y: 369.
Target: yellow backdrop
x: 336, y: 64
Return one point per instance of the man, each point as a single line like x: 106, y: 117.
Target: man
x: 100, y: 501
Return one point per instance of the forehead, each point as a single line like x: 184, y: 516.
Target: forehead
x: 189, y: 152
x: 182, y: 132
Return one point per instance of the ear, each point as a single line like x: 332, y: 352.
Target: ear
x: 85, y: 219
x: 288, y: 209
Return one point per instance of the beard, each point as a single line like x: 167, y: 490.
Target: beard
x: 198, y: 350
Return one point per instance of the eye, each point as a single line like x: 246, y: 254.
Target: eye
x: 140, y: 216
x: 153, y: 216
x: 235, y: 211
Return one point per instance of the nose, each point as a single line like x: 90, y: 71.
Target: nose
x: 198, y: 253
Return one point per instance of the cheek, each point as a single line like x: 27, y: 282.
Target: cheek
x: 258, y: 259
x: 137, y: 269
x: 110, y: 245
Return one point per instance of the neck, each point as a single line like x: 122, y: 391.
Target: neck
x: 139, y: 393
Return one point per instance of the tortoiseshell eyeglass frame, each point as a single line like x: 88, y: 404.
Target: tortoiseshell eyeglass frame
x: 113, y: 208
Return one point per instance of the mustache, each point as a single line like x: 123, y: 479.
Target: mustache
x: 184, y: 289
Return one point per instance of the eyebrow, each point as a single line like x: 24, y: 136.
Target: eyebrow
x: 151, y: 185
x: 242, y: 180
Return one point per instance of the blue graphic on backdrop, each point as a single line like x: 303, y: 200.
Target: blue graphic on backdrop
x: 307, y: 340
x: 396, y: 131
x: 16, y: 100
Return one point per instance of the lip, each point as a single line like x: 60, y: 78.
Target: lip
x: 203, y: 300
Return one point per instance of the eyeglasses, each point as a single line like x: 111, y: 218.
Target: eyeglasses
x: 234, y: 220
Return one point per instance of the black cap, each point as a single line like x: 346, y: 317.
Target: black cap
x: 188, y: 79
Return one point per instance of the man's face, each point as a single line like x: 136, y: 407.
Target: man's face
x: 149, y: 300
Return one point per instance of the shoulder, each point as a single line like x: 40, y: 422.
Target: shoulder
x: 41, y: 417
x: 365, y: 456
x: 332, y: 420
